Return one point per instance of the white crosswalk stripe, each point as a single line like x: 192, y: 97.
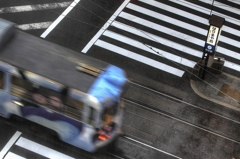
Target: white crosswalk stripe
x: 27, y: 8
x: 34, y: 9
x: 23, y: 144
x: 11, y: 155
x: 40, y: 149
x: 180, y: 32
x: 138, y: 57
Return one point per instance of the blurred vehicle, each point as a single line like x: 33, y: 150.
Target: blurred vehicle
x: 86, y: 119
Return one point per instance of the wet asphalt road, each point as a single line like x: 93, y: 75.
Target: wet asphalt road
x: 209, y: 136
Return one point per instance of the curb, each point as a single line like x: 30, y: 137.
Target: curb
x: 192, y: 83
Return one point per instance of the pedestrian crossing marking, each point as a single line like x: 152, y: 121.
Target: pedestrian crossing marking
x: 206, y: 11
x: 35, y: 7
x: 29, y: 145
x: 188, y: 44
x: 234, y: 1
x: 31, y: 26
x: 9, y: 144
x: 40, y: 149
x: 222, y: 6
x: 177, y: 34
x: 11, y: 155
x: 163, y: 29
x: 191, y: 17
x: 167, y: 19
x: 140, y: 45
x: 157, y: 39
x: 140, y: 58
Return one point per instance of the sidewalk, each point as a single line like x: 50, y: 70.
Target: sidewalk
x: 222, y: 89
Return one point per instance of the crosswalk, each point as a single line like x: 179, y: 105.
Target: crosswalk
x: 34, y: 16
x: 170, y: 35
x: 19, y: 147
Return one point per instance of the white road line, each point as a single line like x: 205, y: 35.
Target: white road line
x: 231, y: 65
x: 9, y: 144
x: 206, y: 11
x: 137, y: 44
x: 234, y: 1
x: 40, y: 149
x: 177, y: 11
x: 167, y: 19
x: 58, y: 20
x: 151, y: 147
x: 105, y: 26
x: 223, y: 6
x: 157, y: 39
x: 191, y: 17
x: 140, y: 58
x: 32, y: 26
x: 163, y: 29
x: 168, y: 43
x: 27, y: 8
x: 177, y: 34
x: 11, y: 155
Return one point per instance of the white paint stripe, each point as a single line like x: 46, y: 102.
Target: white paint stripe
x: 195, y: 18
x: 176, y: 34
x: 169, y: 43
x: 139, y: 45
x: 27, y: 8
x: 231, y: 65
x: 59, y: 19
x: 105, y: 26
x: 157, y: 39
x: 163, y: 29
x: 222, y: 6
x: 140, y: 58
x: 234, y: 1
x: 9, y: 144
x: 228, y: 52
x: 176, y: 11
x: 151, y: 147
x: 11, y: 155
x: 40, y: 149
x: 167, y: 19
x: 206, y: 11
x: 33, y: 26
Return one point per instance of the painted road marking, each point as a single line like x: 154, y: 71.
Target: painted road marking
x: 140, y: 58
x: 140, y: 45
x: 206, y: 10
x: 176, y: 34
x: 10, y: 144
x: 59, y: 19
x: 27, y: 8
x: 32, y: 26
x: 184, y: 24
x: 161, y: 28
x: 11, y: 155
x: 40, y: 149
x: 157, y: 39
x: 105, y: 26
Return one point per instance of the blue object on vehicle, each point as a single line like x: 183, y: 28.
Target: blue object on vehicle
x: 109, y: 85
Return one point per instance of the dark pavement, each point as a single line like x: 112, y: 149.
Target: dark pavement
x: 158, y: 130
x: 222, y: 89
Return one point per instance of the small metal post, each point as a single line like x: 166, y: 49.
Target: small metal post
x: 211, y: 8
